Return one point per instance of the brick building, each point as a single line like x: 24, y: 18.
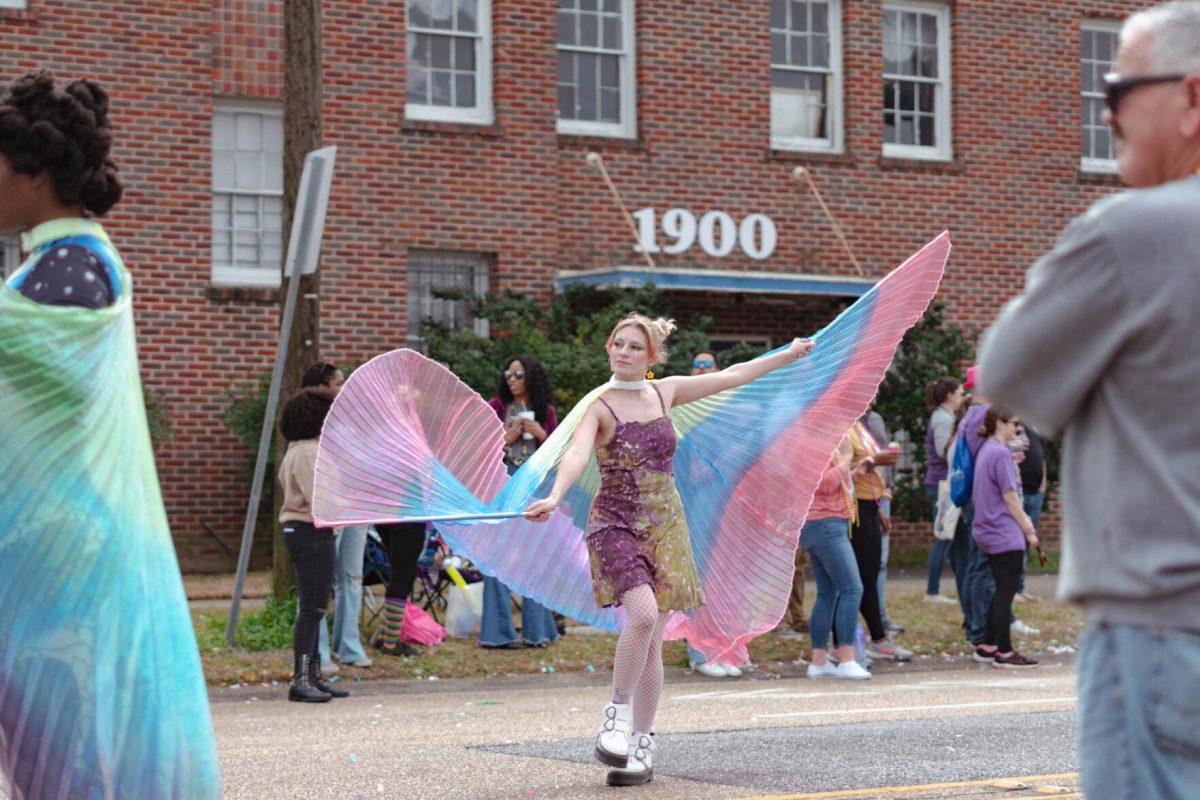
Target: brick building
x: 462, y: 127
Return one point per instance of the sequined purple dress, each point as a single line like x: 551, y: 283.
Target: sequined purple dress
x: 636, y: 531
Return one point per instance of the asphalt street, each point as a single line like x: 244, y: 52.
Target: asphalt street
x: 951, y: 733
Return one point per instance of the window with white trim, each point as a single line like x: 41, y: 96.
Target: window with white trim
x: 596, y: 94
x: 13, y: 4
x: 916, y: 81
x: 445, y: 270
x: 1097, y: 47
x: 10, y: 253
x: 247, y: 210
x: 806, y: 75
x: 449, y: 61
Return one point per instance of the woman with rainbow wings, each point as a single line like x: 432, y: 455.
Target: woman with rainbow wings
x: 407, y: 441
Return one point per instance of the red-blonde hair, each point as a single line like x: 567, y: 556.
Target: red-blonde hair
x: 655, y: 330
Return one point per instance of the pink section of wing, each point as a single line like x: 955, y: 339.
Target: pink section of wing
x: 406, y: 439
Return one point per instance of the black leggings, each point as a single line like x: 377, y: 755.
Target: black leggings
x: 404, y: 542
x: 867, y: 542
x: 1006, y: 569
x: 313, y: 556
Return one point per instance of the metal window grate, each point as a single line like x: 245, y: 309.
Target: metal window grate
x: 430, y: 270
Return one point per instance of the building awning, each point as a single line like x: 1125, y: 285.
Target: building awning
x: 710, y: 280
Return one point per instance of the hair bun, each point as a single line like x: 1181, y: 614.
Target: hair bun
x: 92, y: 97
x: 665, y: 327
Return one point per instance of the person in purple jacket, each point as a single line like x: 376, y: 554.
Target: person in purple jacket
x: 522, y: 403
x: 1000, y: 529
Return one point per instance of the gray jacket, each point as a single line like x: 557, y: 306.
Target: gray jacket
x: 1104, y: 345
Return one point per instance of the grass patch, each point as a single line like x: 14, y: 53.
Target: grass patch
x: 933, y: 632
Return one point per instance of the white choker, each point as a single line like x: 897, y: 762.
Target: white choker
x: 633, y: 386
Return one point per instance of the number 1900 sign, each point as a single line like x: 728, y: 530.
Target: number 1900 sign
x: 716, y: 230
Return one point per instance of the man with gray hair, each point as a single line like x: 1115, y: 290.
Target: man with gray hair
x: 1103, y: 344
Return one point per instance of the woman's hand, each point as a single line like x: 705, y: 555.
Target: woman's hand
x: 800, y: 348
x: 862, y: 468
x: 885, y: 458
x: 539, y: 510
x: 513, y: 430
x: 532, y: 426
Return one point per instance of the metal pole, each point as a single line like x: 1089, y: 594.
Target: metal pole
x: 260, y: 465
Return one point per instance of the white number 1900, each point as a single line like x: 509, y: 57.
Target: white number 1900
x: 716, y: 230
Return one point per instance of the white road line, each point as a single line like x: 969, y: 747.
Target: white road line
x: 1069, y: 699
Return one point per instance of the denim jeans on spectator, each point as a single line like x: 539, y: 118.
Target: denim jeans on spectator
x: 839, y: 586
x: 940, y: 551
x: 981, y: 587
x: 960, y: 556
x: 1139, y: 711
x: 347, y: 593
x: 1033, y: 507
x: 496, y: 627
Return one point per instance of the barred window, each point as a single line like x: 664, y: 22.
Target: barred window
x: 1098, y: 46
x: 806, y: 74
x: 916, y: 81
x: 247, y: 180
x: 595, y: 67
x: 430, y: 270
x: 449, y: 60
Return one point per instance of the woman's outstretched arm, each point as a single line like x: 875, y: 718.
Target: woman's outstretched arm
x: 688, y: 388
x: 583, y: 441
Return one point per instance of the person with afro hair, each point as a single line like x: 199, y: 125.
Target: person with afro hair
x: 55, y: 173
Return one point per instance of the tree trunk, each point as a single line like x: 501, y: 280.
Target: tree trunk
x: 301, y: 134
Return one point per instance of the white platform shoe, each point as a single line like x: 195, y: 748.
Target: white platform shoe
x: 612, y: 742
x: 640, y: 768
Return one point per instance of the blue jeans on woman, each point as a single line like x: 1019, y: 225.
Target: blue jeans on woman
x: 347, y: 644
x: 839, y: 585
x: 941, y: 548
x: 1138, y: 709
x: 496, y: 627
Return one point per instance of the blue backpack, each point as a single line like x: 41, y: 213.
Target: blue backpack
x: 962, y: 473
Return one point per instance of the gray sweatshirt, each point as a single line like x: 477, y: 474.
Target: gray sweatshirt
x: 1104, y: 345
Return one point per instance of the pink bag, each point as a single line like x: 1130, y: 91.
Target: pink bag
x: 420, y: 628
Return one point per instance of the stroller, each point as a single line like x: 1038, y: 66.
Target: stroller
x: 429, y: 593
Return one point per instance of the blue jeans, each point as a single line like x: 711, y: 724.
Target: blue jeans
x: 496, y: 627
x: 839, y: 586
x: 351, y: 541
x: 1033, y: 507
x: 941, y: 548
x: 1139, y: 713
x: 981, y: 587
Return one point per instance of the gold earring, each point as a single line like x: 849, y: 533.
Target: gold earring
x: 650, y: 375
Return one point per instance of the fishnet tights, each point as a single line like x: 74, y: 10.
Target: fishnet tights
x: 637, y: 665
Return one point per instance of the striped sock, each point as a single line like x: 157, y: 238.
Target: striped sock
x: 393, y: 621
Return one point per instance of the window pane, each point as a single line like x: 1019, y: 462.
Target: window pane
x: 224, y: 172
x: 906, y: 131
x: 272, y: 133
x: 418, y: 13
x: 566, y: 28
x: 589, y: 5
x: 928, y: 29
x: 778, y: 49
x: 820, y: 51
x: 249, y: 170
x: 588, y: 86
x: 245, y: 248
x: 926, y: 61
x: 249, y: 131
x: 224, y: 130
x: 566, y: 101
x: 610, y: 105
x: 798, y: 105
x: 926, y: 131
x: 799, y: 18
x: 820, y: 17
x: 589, y: 30
x: 439, y: 52
x: 889, y: 127
x: 779, y: 13
x: 467, y: 15
x: 418, y: 84
x: 272, y: 172
x: 464, y: 90
x: 610, y: 77
x: 612, y: 33
x: 440, y: 88
x: 1088, y: 44
x: 926, y: 98
x: 799, y: 51
x: 566, y: 68
x: 464, y: 54
x: 441, y: 14
x: 612, y: 6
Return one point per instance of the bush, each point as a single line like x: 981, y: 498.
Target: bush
x: 158, y: 419
x: 268, y: 628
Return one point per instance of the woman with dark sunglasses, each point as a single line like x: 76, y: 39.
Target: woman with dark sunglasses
x: 523, y: 404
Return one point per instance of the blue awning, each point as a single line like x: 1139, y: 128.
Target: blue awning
x: 706, y: 280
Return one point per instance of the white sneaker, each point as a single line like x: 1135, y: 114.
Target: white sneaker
x: 850, y: 671
x: 329, y: 668
x: 711, y: 670
x: 612, y: 742
x: 1021, y: 629
x: 361, y: 663
x: 731, y: 671
x: 940, y: 599
x: 818, y: 671
x: 640, y: 766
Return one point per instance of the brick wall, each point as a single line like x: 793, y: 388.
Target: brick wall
x: 521, y: 191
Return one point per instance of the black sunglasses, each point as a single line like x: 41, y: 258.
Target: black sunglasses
x: 1116, y: 86
x: 518, y: 374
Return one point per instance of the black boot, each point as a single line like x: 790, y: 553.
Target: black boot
x: 316, y: 679
x: 302, y: 689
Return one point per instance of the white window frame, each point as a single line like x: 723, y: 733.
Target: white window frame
x: 227, y: 275
x: 16, y: 4
x: 836, y: 141
x: 1104, y: 166
x: 943, y: 121
x: 483, y: 112
x: 627, y: 72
